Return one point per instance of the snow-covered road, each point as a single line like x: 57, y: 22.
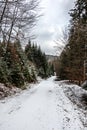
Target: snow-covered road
x: 43, y: 107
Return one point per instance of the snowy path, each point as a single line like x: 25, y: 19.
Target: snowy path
x: 43, y: 107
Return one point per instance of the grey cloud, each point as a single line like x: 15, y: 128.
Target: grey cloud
x: 55, y: 17
x: 45, y: 35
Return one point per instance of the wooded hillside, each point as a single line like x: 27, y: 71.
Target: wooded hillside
x: 72, y: 62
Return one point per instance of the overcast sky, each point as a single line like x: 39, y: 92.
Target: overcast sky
x: 55, y: 18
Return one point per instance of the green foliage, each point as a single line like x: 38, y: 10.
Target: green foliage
x: 35, y: 55
x: 18, y: 67
x: 33, y: 75
x: 17, y: 77
x: 3, y: 71
x: 14, y: 65
x: 73, y: 56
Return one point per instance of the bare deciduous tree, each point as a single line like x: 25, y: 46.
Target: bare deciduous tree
x: 16, y: 16
x: 61, y: 41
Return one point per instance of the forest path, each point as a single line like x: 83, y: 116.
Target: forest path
x: 43, y: 107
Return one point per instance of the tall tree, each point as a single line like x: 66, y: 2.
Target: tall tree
x: 16, y: 16
x: 73, y: 55
x: 78, y: 38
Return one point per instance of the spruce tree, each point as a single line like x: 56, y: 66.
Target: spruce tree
x: 78, y: 39
x: 35, y: 55
x: 73, y: 56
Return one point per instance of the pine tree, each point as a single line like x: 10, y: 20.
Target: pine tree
x: 78, y: 39
x: 35, y: 55
x: 14, y: 65
x: 73, y: 55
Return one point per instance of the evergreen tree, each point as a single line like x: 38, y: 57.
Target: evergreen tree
x: 14, y: 65
x: 78, y: 39
x: 35, y: 55
x: 73, y: 55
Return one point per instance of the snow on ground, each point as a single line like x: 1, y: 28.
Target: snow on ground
x: 8, y: 91
x: 78, y: 97
x: 42, y: 107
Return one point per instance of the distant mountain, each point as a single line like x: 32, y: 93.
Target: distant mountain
x: 51, y: 58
